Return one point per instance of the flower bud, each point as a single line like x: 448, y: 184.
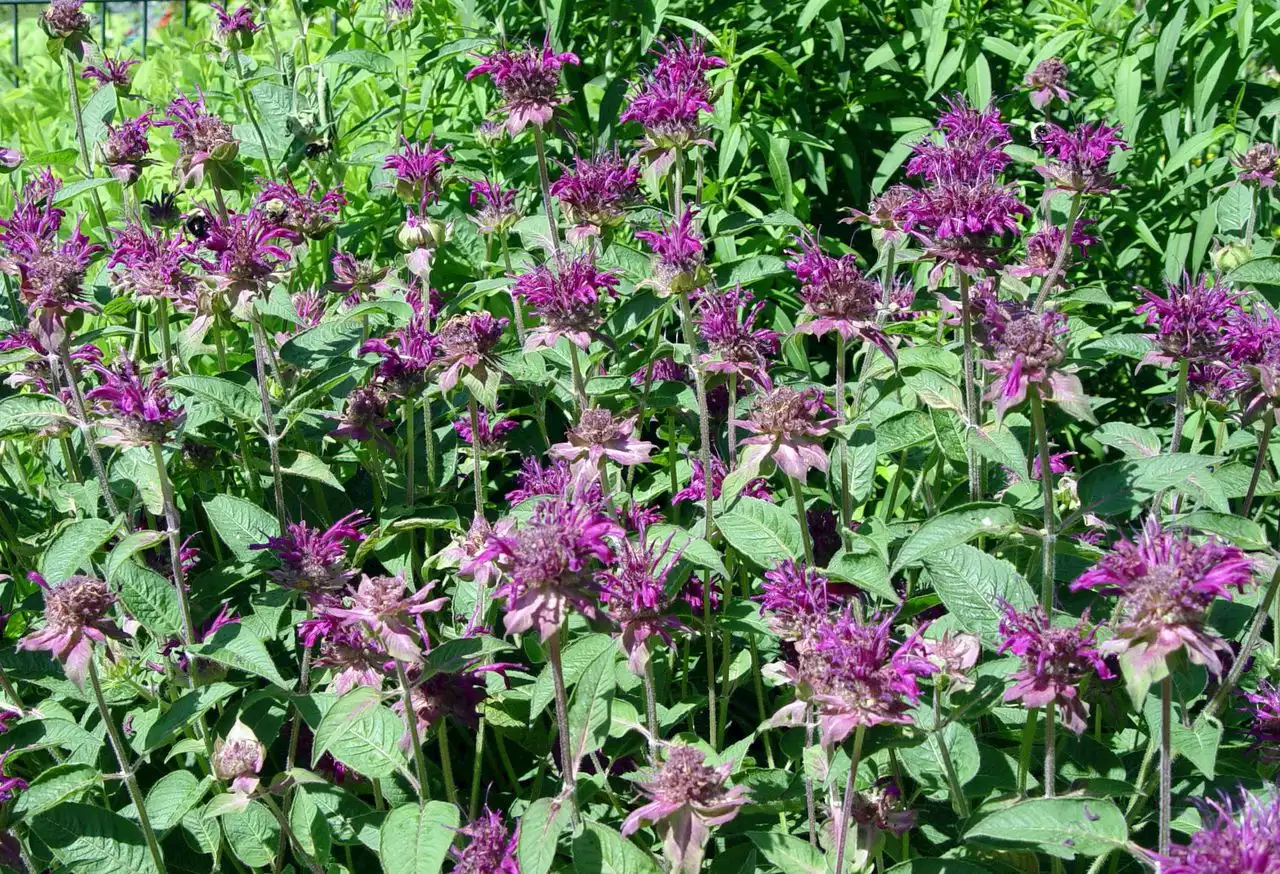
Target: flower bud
x: 1228, y: 258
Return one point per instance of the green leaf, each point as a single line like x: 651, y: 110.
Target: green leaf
x: 73, y: 548
x: 1124, y: 487
x: 240, y: 523
x: 129, y: 546
x: 320, y: 345
x: 374, y: 62
x: 170, y: 797
x: 866, y: 571
x: 135, y: 470
x: 924, y: 762
x: 56, y: 785
x: 973, y: 585
x: 1167, y: 45
x: 789, y: 854
x: 575, y: 660
x: 310, y: 827
x: 601, y: 850
x: 181, y: 714
x: 692, y: 549
x: 1129, y: 439
x: 415, y: 839
x: 253, y: 834
x: 454, y: 656
x: 1256, y: 272
x: 762, y: 532
x: 938, y: 866
x: 149, y: 598
x: 232, y: 399
x: 1199, y: 743
x: 25, y: 413
x: 235, y: 646
x: 1233, y: 208
x: 589, y: 705
x: 362, y: 734
x: 72, y: 190
x: 99, y: 109
x: 540, y: 830
x: 1194, y: 146
x: 952, y: 529
x: 90, y: 840
x: 1244, y: 533
x: 1061, y: 827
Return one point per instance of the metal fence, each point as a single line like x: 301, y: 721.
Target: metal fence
x: 139, y: 10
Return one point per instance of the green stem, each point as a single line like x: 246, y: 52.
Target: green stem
x: 651, y: 709
x: 253, y: 116
x: 1024, y: 752
x: 173, y: 531
x: 121, y: 752
x: 1246, y: 649
x: 473, y: 806
x: 544, y: 182
x: 411, y: 717
x: 1052, y: 278
x: 313, y: 866
x: 1048, y: 571
x: 797, y: 493
x: 1166, y: 762
x: 959, y: 802
x: 567, y: 765
x: 86, y: 431
x: 269, y: 419
x: 846, y: 499
x: 579, y: 385
x: 166, y: 342
x: 477, y: 469
x: 970, y: 391
x: 1050, y: 750
x: 446, y: 762
x: 1264, y: 440
x: 408, y: 411
x: 846, y: 806
x: 78, y: 114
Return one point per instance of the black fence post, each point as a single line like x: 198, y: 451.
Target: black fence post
x: 16, y: 68
x: 146, y: 26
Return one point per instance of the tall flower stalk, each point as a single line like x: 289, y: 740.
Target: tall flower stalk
x: 86, y: 430
x: 260, y: 353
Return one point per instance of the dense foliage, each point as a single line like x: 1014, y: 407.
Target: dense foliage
x: 816, y: 437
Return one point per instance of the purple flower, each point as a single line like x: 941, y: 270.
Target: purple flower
x: 137, y: 412
x: 887, y: 214
x: 1046, y: 82
x: 669, y: 100
x: 63, y: 19
x: 695, y: 491
x: 837, y: 296
x: 1077, y: 159
x: 33, y: 227
x: 465, y: 351
x: 1166, y: 585
x: 398, y: 11
x: 109, y: 71
x: 10, y: 160
x: 566, y: 298
x: 203, y: 138
x: 548, y: 564
x: 304, y: 215
x: 686, y: 798
x: 364, y: 416
x: 598, y: 436
x: 595, y: 192
x: 634, y: 591
x: 75, y: 618
x: 154, y: 266
x: 528, y: 80
x: 1029, y: 353
x: 9, y: 786
x: 35, y: 370
x: 419, y: 170
x: 881, y: 809
x: 679, y: 264
x: 954, y: 655
x: 1056, y: 660
x: 235, y: 29
x: 787, y: 428
x: 247, y: 249
x: 854, y: 675
x: 51, y: 277
x: 1191, y: 322
x: 381, y: 609
x: 1043, y: 246
x: 315, y: 560
x: 497, y: 211
x: 795, y: 599
x: 407, y: 353
x: 1235, y: 837
x: 534, y: 480
x: 664, y: 370
x: 238, y: 759
x: 124, y: 151
x: 488, y: 435
x: 726, y: 323
x: 356, y: 279
x: 491, y: 847
x: 959, y: 222
x: 352, y: 659
x: 968, y: 146
x: 1264, y: 726
x: 1258, y: 164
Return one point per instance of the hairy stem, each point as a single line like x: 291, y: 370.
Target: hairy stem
x: 846, y: 499
x: 846, y: 806
x: 1166, y: 762
x: 651, y: 710
x: 312, y: 865
x: 1050, y: 750
x: 1054, y: 275
x: 477, y: 469
x: 553, y: 231
x: 1246, y: 649
x: 1048, y: 569
x: 253, y: 116
x: 567, y: 765
x: 86, y: 432
x: 446, y: 762
x: 1264, y: 440
x: 269, y: 419
x: 173, y: 530
x: 970, y: 389
x: 798, y: 493
x: 473, y: 803
x: 78, y: 113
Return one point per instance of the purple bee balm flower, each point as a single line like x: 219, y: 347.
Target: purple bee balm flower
x: 634, y: 591
x: 33, y: 227
x: 10, y: 159
x: 247, y: 251
x: 1057, y: 464
x: 491, y: 846
x: 954, y: 655
x: 695, y: 491
x: 203, y: 138
x: 696, y: 589
x: 124, y: 151
x: 528, y: 80
x: 398, y: 11
x: 1043, y: 246
x: 109, y: 71
x: 75, y: 618
x: 566, y: 298
x: 1076, y: 160
x: 669, y: 100
x: 1047, y: 83
x: 549, y: 564
x: 1264, y: 725
x: 155, y: 266
x: 887, y: 214
x: 457, y: 695
x: 381, y: 609
x: 795, y: 599
x: 1029, y: 352
x: 63, y: 19
x: 35, y: 371
x: 1235, y: 837
x: 419, y: 169
x: 488, y: 436
x: 496, y: 210
x: 726, y: 323
x: 968, y: 146
x: 364, y: 417
x: 235, y: 29
x: 466, y: 345
x: 356, y: 279
x: 598, y: 436
x: 837, y: 296
x: 1056, y: 661
x: 10, y: 787
x: 786, y: 427
x: 407, y: 353
x: 463, y: 552
x: 686, y: 798
x: 51, y: 276
x: 664, y: 370
x: 881, y: 809
x: 315, y: 560
x: 303, y: 214
x: 679, y: 263
x: 854, y: 675
x: 1191, y: 322
x: 136, y: 411
x: 1258, y: 164
x: 960, y: 223
x: 535, y: 480
x: 595, y: 192
x: 238, y: 759
x: 1166, y: 585
x: 351, y: 658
